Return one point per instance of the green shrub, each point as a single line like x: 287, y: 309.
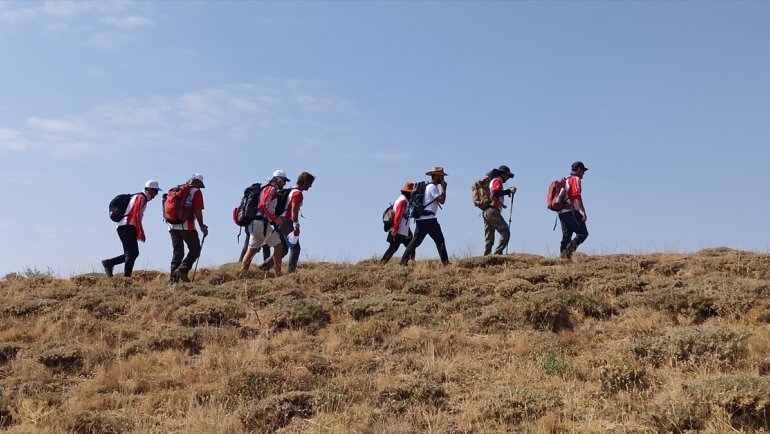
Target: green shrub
x: 36, y: 306
x: 214, y: 292
x: 91, y: 422
x: 407, y: 391
x: 623, y: 375
x: 369, y: 305
x: 258, y: 384
x: 309, y: 314
x: 684, y: 301
x: 516, y: 404
x: 693, y: 346
x: 275, y: 412
x: 211, y: 311
x: 512, y: 286
x: 746, y: 399
x: 553, y: 365
x: 620, y: 285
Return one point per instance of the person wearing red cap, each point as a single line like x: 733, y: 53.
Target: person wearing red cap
x: 400, y: 233
x: 573, y: 217
x: 130, y: 230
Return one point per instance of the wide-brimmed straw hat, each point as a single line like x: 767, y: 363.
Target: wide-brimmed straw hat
x: 408, y: 187
x: 436, y: 170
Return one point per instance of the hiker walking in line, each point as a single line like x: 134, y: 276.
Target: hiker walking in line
x: 427, y: 223
x: 400, y: 233
x: 130, y: 230
x: 573, y: 216
x: 259, y: 231
x: 493, y: 219
x: 265, y: 248
x: 182, y: 207
x: 292, y: 204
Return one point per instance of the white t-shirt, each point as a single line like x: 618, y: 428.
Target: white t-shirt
x: 431, y: 195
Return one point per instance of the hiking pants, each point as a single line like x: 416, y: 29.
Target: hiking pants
x: 395, y: 243
x: 180, y: 237
x: 265, y: 248
x: 493, y: 221
x: 425, y: 228
x: 127, y: 235
x: 572, y: 223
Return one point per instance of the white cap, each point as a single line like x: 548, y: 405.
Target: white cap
x: 152, y: 184
x: 198, y: 177
x: 281, y: 174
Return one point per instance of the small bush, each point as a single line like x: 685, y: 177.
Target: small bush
x: 693, y: 346
x: 275, y: 412
x: 91, y: 422
x: 746, y: 399
x: 214, y: 292
x: 679, y: 417
x: 210, y: 311
x: 367, y: 306
x: 61, y: 356
x: 180, y: 339
x: 309, y: 314
x: 621, y: 286
x: 517, y: 404
x: 371, y: 333
x: 37, y: 306
x: 685, y: 301
x: 512, y: 286
x: 259, y: 384
x: 407, y: 391
x: 8, y: 351
x: 623, y: 375
x: 553, y: 365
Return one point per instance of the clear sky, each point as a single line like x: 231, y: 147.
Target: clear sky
x: 667, y: 103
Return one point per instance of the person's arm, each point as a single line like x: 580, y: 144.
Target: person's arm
x: 197, y: 206
x: 398, y: 213
x: 296, y: 203
x: 267, y: 196
x: 135, y: 216
x: 576, y: 196
x: 441, y: 199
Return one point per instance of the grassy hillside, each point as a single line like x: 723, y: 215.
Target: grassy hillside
x: 610, y: 344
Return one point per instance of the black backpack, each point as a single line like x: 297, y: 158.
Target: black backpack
x: 283, y: 201
x: 247, y: 210
x: 416, y: 207
x: 388, y: 216
x: 118, y: 206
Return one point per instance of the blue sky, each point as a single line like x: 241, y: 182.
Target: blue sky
x: 667, y: 103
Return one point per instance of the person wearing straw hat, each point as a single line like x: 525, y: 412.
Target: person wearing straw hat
x: 493, y: 219
x: 400, y: 233
x: 260, y: 232
x: 427, y: 223
x: 130, y: 230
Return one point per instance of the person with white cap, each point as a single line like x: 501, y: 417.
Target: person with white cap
x: 259, y: 233
x: 427, y: 223
x: 184, y: 233
x: 130, y: 230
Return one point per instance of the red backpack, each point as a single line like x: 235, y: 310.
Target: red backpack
x: 177, y: 204
x: 554, y: 197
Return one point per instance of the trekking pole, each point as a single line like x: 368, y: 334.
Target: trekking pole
x: 198, y: 260
x: 510, y: 218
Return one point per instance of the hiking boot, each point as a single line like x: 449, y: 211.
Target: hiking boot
x: 107, y: 267
x: 180, y: 274
x: 266, y: 266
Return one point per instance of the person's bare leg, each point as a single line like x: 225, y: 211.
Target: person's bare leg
x: 247, y: 261
x: 278, y: 258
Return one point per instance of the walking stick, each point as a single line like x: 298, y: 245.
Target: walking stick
x: 510, y: 217
x: 198, y: 260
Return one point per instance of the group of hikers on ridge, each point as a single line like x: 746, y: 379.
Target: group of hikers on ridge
x: 261, y: 206
x: 270, y: 213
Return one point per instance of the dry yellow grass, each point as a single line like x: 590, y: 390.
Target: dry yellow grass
x: 607, y: 344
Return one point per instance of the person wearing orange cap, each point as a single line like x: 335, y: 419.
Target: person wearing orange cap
x: 400, y: 233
